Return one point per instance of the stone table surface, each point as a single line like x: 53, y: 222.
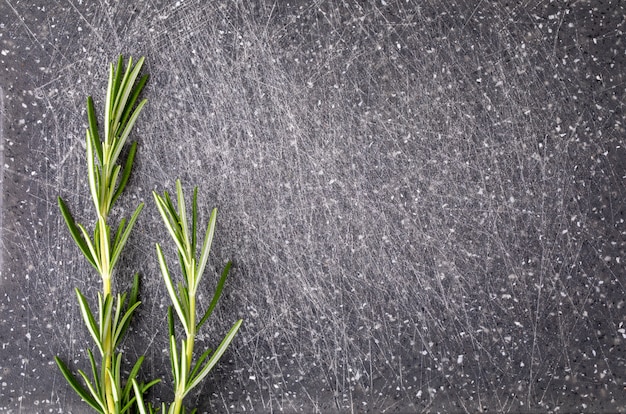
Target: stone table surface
x: 423, y: 200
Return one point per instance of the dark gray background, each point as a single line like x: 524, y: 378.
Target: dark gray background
x: 424, y: 200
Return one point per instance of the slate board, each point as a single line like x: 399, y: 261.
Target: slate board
x: 424, y: 201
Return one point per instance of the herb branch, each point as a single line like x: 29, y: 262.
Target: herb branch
x: 188, y: 375
x: 105, y: 392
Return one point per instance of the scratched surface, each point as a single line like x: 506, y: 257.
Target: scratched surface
x: 424, y: 200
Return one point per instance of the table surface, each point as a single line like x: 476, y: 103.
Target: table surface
x: 423, y: 200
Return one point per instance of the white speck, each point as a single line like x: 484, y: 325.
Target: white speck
x: 4, y: 52
x: 518, y: 324
x: 252, y: 378
x: 28, y: 335
x: 459, y: 359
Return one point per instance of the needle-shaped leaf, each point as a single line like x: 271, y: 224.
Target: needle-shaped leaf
x: 91, y: 175
x: 139, y: 395
x: 141, y: 389
x: 94, y: 372
x: 117, y: 374
x: 170, y: 321
x: 204, y: 356
x: 94, y: 252
x: 118, y: 232
x: 194, y: 220
x: 183, y: 297
x: 119, y: 245
x: 80, y: 390
x: 96, y: 397
x: 122, y: 123
x: 219, y: 351
x: 126, y: 174
x: 130, y: 402
x: 170, y: 288
x: 182, y: 214
x: 216, y: 295
x: 125, y: 88
x: 108, y: 113
x: 116, y: 396
x: 131, y: 376
x: 174, y: 360
x: 170, y: 219
x: 118, y: 75
x: 110, y: 191
x: 134, y: 293
x: 76, y: 233
x: 123, y: 323
x: 118, y: 106
x: 131, y: 102
x: 126, y: 132
x: 170, y: 206
x: 184, y: 369
x: 93, y: 128
x: 118, y: 309
x: 183, y: 266
x: 206, y: 247
x: 96, y: 241
x: 106, y: 311
x: 89, y: 320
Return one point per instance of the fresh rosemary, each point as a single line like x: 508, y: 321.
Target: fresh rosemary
x: 186, y: 374
x: 106, y: 391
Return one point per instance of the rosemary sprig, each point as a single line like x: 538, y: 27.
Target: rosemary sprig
x: 186, y: 374
x: 105, y: 392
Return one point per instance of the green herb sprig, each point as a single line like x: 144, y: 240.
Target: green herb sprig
x: 105, y: 392
x: 187, y: 375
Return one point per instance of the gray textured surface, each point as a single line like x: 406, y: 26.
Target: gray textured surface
x: 424, y: 200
